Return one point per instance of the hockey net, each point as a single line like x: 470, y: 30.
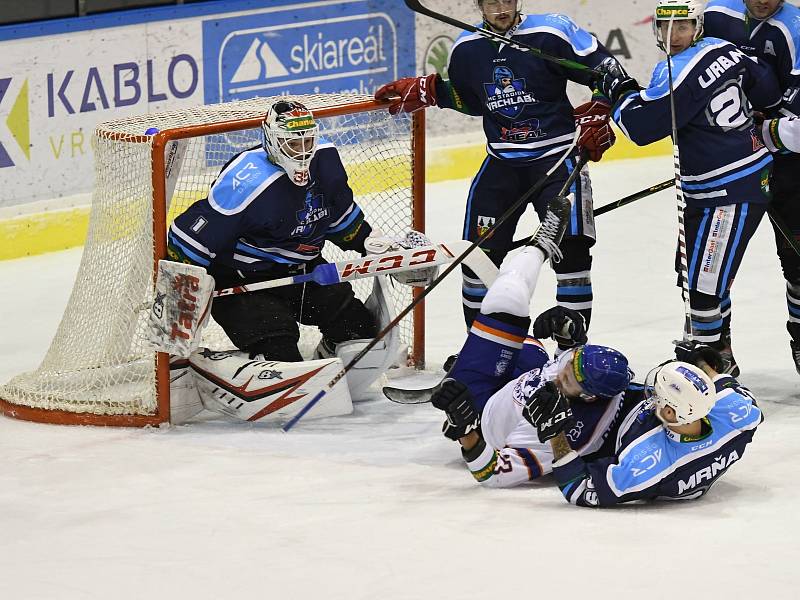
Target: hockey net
x: 98, y: 369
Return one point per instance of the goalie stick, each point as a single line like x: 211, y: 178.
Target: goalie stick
x: 379, y: 264
x: 521, y: 201
x: 417, y: 7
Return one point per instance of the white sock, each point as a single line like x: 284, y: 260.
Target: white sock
x: 513, y: 289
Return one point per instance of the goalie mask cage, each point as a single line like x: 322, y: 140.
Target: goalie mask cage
x: 99, y: 369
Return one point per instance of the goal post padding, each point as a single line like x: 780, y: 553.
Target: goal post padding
x: 98, y: 369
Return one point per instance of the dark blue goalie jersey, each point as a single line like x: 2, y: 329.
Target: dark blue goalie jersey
x: 714, y: 83
x: 775, y: 41
x: 256, y: 221
x: 652, y: 462
x: 522, y: 99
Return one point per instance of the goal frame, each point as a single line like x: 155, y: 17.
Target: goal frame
x: 162, y: 366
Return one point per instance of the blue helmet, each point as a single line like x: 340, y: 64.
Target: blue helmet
x: 601, y: 371
x: 502, y: 73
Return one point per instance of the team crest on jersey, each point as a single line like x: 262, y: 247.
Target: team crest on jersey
x: 313, y: 210
x: 506, y: 94
x: 484, y: 224
x: 521, y: 131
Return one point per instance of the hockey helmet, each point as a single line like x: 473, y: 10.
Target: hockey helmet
x: 683, y: 387
x: 501, y: 73
x: 668, y: 11
x: 601, y: 371
x: 290, y: 138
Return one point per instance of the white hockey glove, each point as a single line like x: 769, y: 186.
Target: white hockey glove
x: 380, y: 244
x: 180, y: 309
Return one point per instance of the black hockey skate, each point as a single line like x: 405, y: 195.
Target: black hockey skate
x: 551, y: 229
x: 794, y: 343
x: 726, y: 353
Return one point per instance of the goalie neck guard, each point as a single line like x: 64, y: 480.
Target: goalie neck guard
x: 290, y: 138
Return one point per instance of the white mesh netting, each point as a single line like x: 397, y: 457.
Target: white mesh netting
x: 98, y: 361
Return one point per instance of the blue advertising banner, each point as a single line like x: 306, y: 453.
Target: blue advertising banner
x: 353, y: 46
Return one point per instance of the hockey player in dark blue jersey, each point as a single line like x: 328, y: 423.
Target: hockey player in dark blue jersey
x: 727, y: 190
x: 690, y: 426
x: 267, y: 215
x: 528, y: 122
x: 770, y: 31
x: 500, y: 366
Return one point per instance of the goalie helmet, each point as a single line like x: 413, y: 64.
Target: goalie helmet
x: 677, y: 10
x: 601, y: 371
x: 683, y: 387
x: 290, y: 138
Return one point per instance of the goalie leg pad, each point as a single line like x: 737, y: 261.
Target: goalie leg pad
x: 513, y: 289
x: 184, y: 400
x: 248, y: 389
x: 375, y: 362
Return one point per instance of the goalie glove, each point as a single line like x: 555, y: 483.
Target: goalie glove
x: 380, y: 244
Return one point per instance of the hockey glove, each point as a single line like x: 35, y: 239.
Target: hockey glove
x: 548, y: 411
x: 615, y: 82
x: 564, y: 325
x: 596, y: 134
x: 694, y: 352
x: 409, y: 94
x: 455, y: 399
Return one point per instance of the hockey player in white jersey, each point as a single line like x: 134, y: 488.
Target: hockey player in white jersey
x: 691, y: 425
x: 500, y: 366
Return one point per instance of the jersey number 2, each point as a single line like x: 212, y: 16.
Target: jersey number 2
x: 728, y: 108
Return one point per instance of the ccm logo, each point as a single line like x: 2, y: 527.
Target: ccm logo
x: 389, y: 262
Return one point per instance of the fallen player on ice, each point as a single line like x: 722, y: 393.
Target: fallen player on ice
x: 609, y: 441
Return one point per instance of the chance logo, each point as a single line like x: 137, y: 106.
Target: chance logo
x: 17, y: 120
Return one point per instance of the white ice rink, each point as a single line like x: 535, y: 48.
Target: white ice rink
x: 378, y: 505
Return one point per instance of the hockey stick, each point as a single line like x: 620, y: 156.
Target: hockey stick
x: 659, y: 187
x: 781, y: 226
x: 378, y: 264
x: 688, y: 331
x: 532, y: 192
x: 417, y: 7
x: 423, y: 395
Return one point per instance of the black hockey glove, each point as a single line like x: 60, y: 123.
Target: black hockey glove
x: 615, y: 82
x: 455, y: 399
x: 693, y: 352
x: 548, y: 411
x: 564, y: 325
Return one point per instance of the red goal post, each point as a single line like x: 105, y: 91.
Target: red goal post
x: 98, y: 370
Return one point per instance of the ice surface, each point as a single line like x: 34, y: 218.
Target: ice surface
x: 378, y: 505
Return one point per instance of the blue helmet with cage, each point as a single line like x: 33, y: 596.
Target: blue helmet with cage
x: 601, y: 371
x: 501, y: 73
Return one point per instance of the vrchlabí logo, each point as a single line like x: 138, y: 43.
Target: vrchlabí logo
x: 17, y: 120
